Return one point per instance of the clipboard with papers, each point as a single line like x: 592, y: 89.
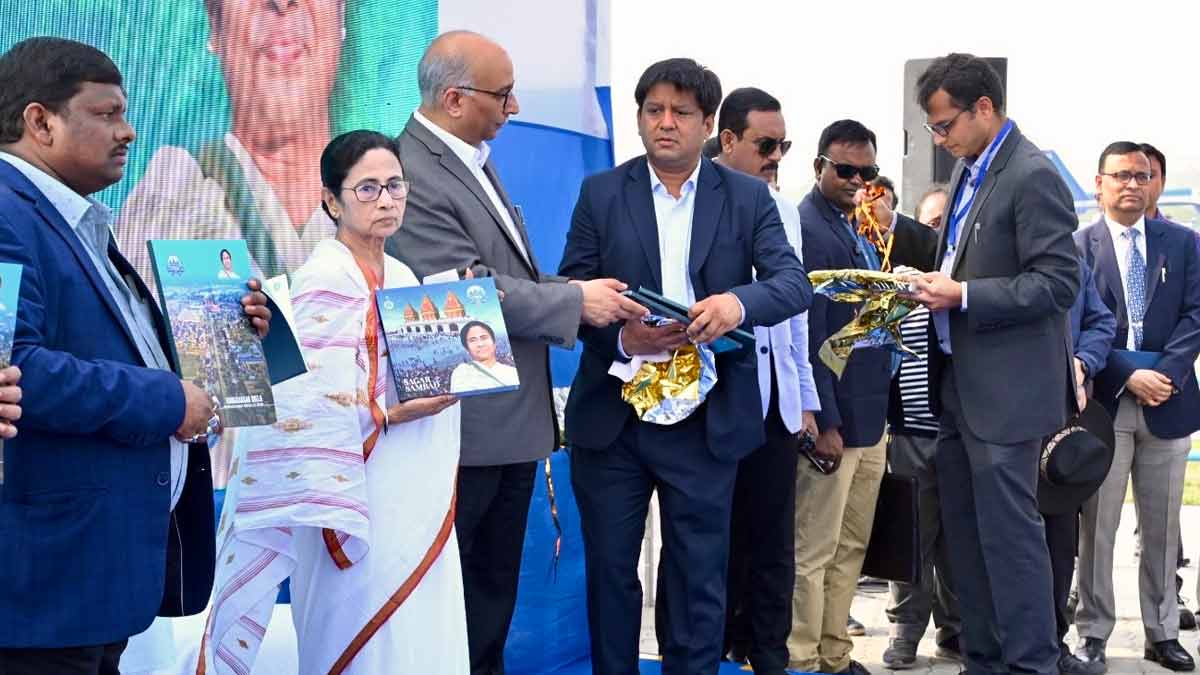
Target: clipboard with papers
x: 657, y: 304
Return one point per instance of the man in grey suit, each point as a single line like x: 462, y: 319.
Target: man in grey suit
x: 1008, y: 276
x: 459, y: 217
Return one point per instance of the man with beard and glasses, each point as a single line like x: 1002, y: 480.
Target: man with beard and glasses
x: 835, y: 511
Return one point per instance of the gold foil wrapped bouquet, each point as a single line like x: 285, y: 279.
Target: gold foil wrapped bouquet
x: 877, y: 323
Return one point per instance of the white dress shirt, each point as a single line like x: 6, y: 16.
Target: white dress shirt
x: 475, y: 158
x: 788, y: 341
x: 674, y: 218
x: 90, y: 219
x: 1121, y: 247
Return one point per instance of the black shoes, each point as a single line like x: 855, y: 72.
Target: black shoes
x: 855, y: 628
x: 1091, y: 650
x: 1187, y: 620
x: 855, y: 668
x: 901, y: 654
x: 949, y: 649
x: 1068, y: 664
x: 1170, y: 655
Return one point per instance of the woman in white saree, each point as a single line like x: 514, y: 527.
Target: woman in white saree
x: 351, y: 497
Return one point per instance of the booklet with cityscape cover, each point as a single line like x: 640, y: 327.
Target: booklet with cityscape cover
x: 10, y: 289
x: 447, y: 338
x: 200, y: 285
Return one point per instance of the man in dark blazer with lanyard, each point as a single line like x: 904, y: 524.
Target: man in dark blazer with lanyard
x: 1008, y: 276
x: 835, y: 513
x: 1148, y: 273
x: 106, y: 518
x: 699, y: 233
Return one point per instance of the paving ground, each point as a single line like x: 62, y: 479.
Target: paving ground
x: 1125, y: 645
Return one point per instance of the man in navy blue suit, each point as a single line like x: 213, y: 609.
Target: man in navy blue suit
x: 835, y: 513
x: 106, y: 518
x: 697, y: 232
x: 1148, y: 274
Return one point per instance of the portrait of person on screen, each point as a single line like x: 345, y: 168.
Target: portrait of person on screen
x: 256, y: 180
x: 482, y: 371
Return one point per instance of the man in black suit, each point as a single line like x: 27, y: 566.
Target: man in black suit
x: 1148, y: 273
x: 834, y: 513
x: 1008, y: 275
x: 709, y: 238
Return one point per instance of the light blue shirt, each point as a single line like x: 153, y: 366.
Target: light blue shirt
x: 90, y: 220
x: 788, y: 341
x: 674, y: 220
x: 973, y: 177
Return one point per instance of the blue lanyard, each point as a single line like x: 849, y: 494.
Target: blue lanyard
x: 984, y: 162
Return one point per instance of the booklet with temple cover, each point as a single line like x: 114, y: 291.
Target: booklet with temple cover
x: 200, y: 285
x: 10, y: 290
x: 447, y: 338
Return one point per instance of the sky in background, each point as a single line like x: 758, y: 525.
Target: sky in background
x: 1080, y: 74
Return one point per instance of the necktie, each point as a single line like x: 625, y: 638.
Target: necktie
x: 1136, y: 283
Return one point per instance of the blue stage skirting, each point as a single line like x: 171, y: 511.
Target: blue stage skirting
x: 648, y: 667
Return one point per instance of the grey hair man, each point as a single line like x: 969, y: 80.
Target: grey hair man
x: 460, y: 217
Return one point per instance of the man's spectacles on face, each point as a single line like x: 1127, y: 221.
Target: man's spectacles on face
x: 767, y: 145
x: 1123, y: 177
x: 847, y: 171
x: 370, y: 192
x: 503, y: 94
x: 943, y: 128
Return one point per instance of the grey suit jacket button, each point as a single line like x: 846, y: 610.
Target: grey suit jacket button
x: 163, y: 478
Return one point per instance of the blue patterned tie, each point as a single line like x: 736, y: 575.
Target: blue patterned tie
x: 1136, y: 283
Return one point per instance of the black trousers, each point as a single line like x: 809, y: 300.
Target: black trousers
x: 493, y: 507
x: 1062, y: 538
x: 98, y: 660
x: 613, y: 486
x: 762, y: 562
x: 998, y: 556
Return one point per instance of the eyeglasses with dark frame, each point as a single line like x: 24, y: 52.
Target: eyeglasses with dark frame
x: 847, y: 171
x: 1123, y: 177
x: 503, y: 94
x: 766, y: 146
x: 371, y: 191
x: 943, y: 128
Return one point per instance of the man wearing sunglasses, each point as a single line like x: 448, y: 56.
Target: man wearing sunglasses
x: 835, y: 512
x: 459, y: 216
x: 761, y: 564
x: 1000, y: 373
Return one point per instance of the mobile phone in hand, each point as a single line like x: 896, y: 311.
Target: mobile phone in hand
x: 808, y: 448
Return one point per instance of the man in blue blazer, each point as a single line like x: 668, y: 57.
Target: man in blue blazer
x: 1148, y: 274
x: 106, y: 518
x: 834, y: 513
x: 697, y: 232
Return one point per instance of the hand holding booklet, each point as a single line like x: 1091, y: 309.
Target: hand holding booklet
x: 447, y: 338
x: 200, y: 285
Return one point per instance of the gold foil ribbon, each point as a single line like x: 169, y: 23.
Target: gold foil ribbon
x: 677, y: 377
x: 882, y: 309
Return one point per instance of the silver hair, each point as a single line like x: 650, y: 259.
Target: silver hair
x: 439, y: 71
